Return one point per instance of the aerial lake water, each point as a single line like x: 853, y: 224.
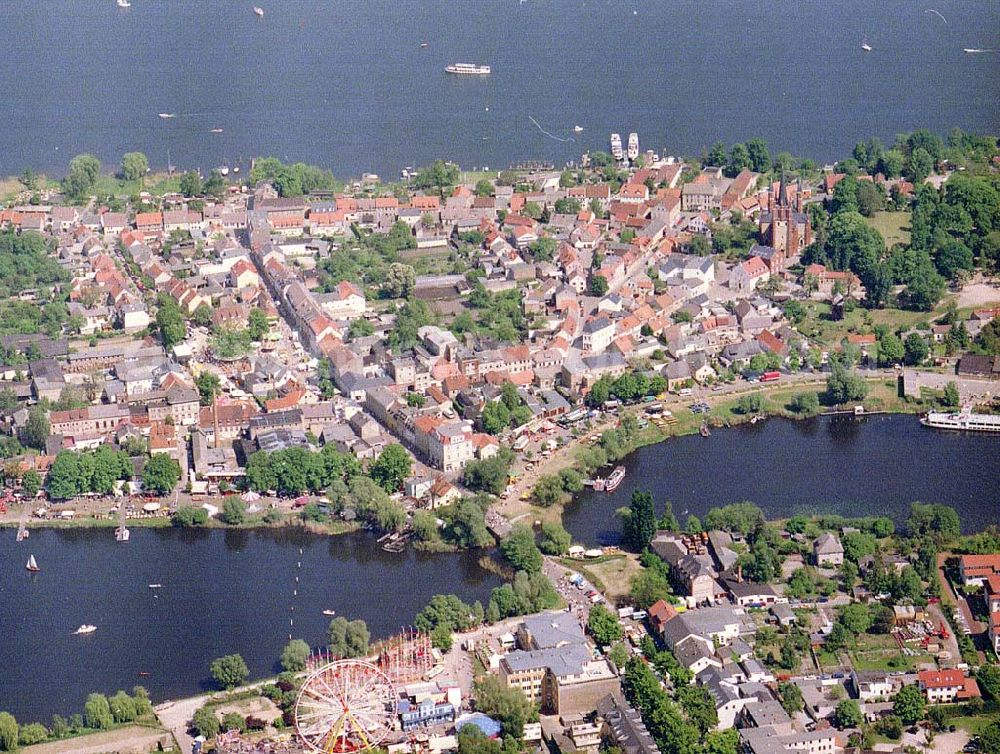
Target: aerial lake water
x: 870, y: 467
x: 347, y: 85
x: 222, y: 591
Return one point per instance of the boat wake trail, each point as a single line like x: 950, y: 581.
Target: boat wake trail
x: 938, y: 14
x: 551, y: 136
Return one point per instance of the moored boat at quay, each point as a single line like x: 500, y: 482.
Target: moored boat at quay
x: 965, y: 421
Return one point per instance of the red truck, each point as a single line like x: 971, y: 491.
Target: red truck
x: 770, y: 376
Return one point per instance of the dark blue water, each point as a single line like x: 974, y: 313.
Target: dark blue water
x: 345, y: 84
x: 223, y: 592
x: 872, y: 467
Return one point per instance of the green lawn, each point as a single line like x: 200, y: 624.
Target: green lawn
x: 880, y: 652
x: 894, y: 226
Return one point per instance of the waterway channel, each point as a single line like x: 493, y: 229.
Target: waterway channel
x: 874, y: 466
x: 222, y: 591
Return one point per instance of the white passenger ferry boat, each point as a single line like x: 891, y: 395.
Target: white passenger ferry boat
x: 964, y: 420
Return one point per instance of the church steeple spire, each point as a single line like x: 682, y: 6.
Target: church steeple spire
x: 783, y: 191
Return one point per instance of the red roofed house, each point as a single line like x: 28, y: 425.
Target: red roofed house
x: 993, y: 631
x: 942, y: 686
x: 149, y: 222
x: 976, y: 569
x: 346, y: 301
x: 659, y: 613
x: 747, y: 275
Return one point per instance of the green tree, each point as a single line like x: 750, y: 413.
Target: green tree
x: 919, y: 165
x: 348, y: 638
x: 472, y: 740
x: 871, y: 198
x: 760, y: 158
x: 97, y: 712
x: 791, y: 697
x: 205, y: 722
x: 294, y: 656
x: 489, y: 474
x: 649, y: 586
x: 520, y: 551
x: 170, y: 322
x: 122, y: 707
x: 81, y: 176
x: 950, y: 397
x: 506, y: 705
x: 8, y: 732
x: 915, y: 349
x: 36, y: 428
x: 555, y: 539
x: 208, y: 385
x: 191, y: 184
x: 989, y: 738
x: 134, y: 166
x: 392, y: 467
x: 908, y: 705
x: 603, y: 626
x: 258, y: 326
x: 739, y: 160
x: 161, y: 474
x: 234, y: 510
x: 32, y: 733
x: 189, y: 515
x: 805, y: 403
x: 229, y: 671
x: 483, y: 188
x: 31, y: 483
x: 639, y: 524
x: 598, y: 285
x: 843, y: 386
x: 399, y: 280
x: 847, y: 714
x: 717, y: 155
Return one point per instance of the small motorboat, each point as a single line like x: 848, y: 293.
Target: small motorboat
x: 424, y: 45
x: 86, y: 628
x: 167, y: 116
x: 122, y: 534
x: 155, y: 586
x: 865, y: 46
x: 216, y: 131
x: 258, y: 11
x: 123, y: 3
x: 578, y: 129
x: 32, y: 565
x: 144, y: 674
x: 330, y: 612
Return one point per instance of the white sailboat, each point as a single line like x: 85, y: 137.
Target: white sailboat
x: 86, y: 628
x: 32, y: 564
x: 123, y: 3
x: 258, y: 11
x: 865, y: 46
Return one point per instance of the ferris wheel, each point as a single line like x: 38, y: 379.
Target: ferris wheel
x: 346, y: 706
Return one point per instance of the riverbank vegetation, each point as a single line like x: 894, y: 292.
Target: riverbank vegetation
x: 99, y: 713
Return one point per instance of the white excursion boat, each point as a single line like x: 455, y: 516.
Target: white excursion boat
x: 32, y: 564
x: 616, y: 146
x: 964, y: 421
x: 86, y: 628
x: 633, y: 146
x: 468, y: 69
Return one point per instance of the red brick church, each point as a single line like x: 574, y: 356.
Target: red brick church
x: 785, y: 227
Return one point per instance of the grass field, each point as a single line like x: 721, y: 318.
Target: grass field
x: 879, y: 652
x: 818, y: 325
x: 894, y: 226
